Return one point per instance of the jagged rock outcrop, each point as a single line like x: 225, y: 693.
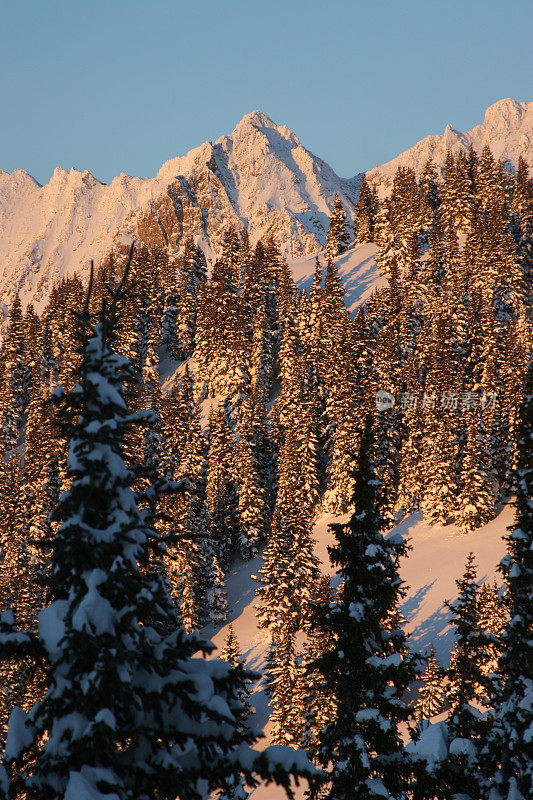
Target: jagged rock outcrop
x: 260, y: 177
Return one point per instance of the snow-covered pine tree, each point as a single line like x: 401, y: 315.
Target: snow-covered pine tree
x: 404, y: 204
x: 217, y: 598
x: 459, y: 772
x: 15, y: 377
x: 492, y: 621
x: 368, y: 668
x: 364, y: 214
x: 18, y: 579
x: 476, y: 493
x: 231, y: 652
x: 338, y: 239
x: 431, y: 695
x: 290, y: 568
x: 282, y: 678
x: 221, y: 490
x: 318, y: 704
x: 429, y: 199
x: 129, y: 711
x: 508, y: 757
x: 254, y: 512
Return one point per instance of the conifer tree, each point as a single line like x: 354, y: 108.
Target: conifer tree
x: 15, y: 377
x: 460, y: 769
x: 476, y: 494
x: 128, y: 712
x: 231, y: 652
x: 217, y: 599
x: 368, y: 667
x: 318, y: 704
x: 252, y: 494
x: 290, y: 568
x: 337, y: 239
x: 508, y: 757
x: 364, y: 214
x: 281, y: 685
x: 492, y: 620
x: 431, y: 695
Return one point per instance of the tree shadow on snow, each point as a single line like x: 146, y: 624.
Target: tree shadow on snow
x: 436, y: 631
x: 411, y: 606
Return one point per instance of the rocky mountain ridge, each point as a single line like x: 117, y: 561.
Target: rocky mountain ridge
x: 507, y: 129
x: 259, y: 177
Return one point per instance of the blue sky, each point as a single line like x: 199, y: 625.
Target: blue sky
x: 123, y: 85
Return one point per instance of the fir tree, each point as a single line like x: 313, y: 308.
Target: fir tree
x: 281, y: 686
x: 364, y: 214
x: 368, y: 668
x: 508, y: 757
x: 492, y: 620
x: 337, y: 238
x: 431, y: 695
x: 476, y: 495
x: 460, y: 770
x: 217, y: 599
x: 128, y: 710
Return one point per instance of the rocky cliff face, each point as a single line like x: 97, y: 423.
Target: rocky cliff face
x: 259, y: 177
x: 507, y: 130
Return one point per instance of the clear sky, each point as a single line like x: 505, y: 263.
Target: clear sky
x: 124, y: 85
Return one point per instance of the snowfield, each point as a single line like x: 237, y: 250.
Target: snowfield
x: 435, y: 561
x: 357, y: 270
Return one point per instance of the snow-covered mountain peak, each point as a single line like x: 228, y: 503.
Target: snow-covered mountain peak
x: 258, y: 177
x: 261, y: 122
x: 507, y: 129
x: 506, y: 114
x: 17, y: 178
x: 256, y: 119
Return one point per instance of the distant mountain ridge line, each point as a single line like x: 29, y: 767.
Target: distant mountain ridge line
x: 259, y: 177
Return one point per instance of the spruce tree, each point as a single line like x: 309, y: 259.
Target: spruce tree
x: 508, y: 757
x: 129, y: 711
x: 217, y: 599
x: 282, y: 678
x: 338, y: 239
x: 492, y: 621
x: 368, y: 668
x: 364, y: 214
x: 318, y: 704
x: 476, y: 493
x: 431, y: 695
x: 460, y: 769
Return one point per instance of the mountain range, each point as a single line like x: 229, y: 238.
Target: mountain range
x: 260, y: 177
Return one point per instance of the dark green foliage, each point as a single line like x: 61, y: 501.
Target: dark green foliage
x: 368, y: 668
x: 508, y: 756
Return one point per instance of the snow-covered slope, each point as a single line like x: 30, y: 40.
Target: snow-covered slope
x: 357, y: 269
x: 48, y: 232
x: 507, y: 130
x: 260, y: 177
x: 436, y: 560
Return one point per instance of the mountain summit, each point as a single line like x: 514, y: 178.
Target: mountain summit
x: 507, y: 129
x: 260, y: 177
x: 264, y: 175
